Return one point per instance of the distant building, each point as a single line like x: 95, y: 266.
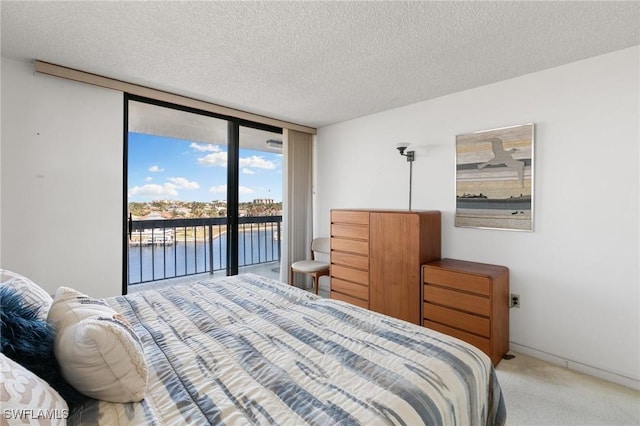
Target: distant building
x: 159, y: 236
x: 263, y: 201
x: 156, y: 216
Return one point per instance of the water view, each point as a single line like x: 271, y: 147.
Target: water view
x: 169, y: 258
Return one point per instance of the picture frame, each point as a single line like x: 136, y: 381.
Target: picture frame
x: 494, y: 178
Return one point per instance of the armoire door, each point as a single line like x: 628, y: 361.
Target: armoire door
x: 395, y: 265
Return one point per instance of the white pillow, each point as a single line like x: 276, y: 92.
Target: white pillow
x: 98, y: 351
x: 70, y: 306
x: 25, y: 397
x: 31, y: 293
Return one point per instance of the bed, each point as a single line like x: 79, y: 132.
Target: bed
x: 250, y: 350
x: 234, y: 351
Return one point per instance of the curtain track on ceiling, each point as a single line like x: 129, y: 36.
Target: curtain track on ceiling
x: 134, y: 89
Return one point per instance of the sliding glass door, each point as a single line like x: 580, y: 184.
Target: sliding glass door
x: 197, y: 189
x: 259, y: 201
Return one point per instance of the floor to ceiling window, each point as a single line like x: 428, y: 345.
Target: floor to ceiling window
x: 204, y: 193
x: 259, y: 199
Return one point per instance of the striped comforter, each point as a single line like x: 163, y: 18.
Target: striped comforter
x: 249, y: 350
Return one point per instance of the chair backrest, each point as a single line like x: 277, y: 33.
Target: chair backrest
x: 321, y: 245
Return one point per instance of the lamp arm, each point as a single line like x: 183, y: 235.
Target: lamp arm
x: 410, y: 180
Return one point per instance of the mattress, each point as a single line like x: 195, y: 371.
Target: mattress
x: 251, y: 350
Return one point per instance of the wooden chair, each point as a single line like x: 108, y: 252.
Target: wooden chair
x: 313, y: 267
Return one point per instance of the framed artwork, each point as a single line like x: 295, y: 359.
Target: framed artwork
x: 494, y: 178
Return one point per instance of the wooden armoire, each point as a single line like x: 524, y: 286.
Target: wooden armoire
x: 376, y: 258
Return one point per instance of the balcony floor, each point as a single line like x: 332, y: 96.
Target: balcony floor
x: 269, y: 270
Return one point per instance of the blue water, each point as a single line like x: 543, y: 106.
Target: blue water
x: 149, y: 263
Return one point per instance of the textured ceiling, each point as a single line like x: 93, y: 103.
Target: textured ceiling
x: 315, y: 63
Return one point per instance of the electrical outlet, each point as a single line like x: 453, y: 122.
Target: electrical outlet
x: 515, y: 301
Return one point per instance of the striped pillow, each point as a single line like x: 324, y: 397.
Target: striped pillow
x: 32, y: 293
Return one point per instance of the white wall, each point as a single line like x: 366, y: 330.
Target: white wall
x: 577, y: 274
x: 61, y: 174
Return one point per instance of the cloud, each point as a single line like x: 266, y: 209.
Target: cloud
x: 167, y: 190
x: 215, y: 159
x: 155, y: 169
x: 154, y: 190
x: 222, y: 189
x: 148, y: 179
x: 257, y: 162
x: 246, y: 164
x: 183, y: 183
x: 203, y: 147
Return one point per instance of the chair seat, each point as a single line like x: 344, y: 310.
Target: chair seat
x: 309, y: 266
x: 313, y: 267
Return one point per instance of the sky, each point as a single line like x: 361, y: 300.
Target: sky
x: 162, y: 168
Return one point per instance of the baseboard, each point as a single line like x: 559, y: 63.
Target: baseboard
x: 577, y: 366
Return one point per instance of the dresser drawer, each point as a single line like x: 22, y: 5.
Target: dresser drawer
x: 351, y: 260
x: 351, y: 246
x: 350, y: 274
x: 454, y: 299
x: 456, y: 319
x: 477, y: 341
x: 459, y: 281
x: 348, y: 216
x: 349, y: 231
x: 349, y: 299
x: 350, y: 289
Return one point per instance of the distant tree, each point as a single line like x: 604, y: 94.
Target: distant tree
x: 192, y: 209
x: 139, y: 209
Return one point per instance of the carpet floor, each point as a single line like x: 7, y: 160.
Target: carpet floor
x: 540, y: 393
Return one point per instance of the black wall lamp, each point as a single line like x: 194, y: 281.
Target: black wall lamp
x: 411, y: 156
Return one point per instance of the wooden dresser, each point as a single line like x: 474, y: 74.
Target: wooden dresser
x: 350, y: 257
x: 376, y: 256
x: 469, y: 301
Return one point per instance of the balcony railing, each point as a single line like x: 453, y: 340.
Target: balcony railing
x: 162, y: 249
